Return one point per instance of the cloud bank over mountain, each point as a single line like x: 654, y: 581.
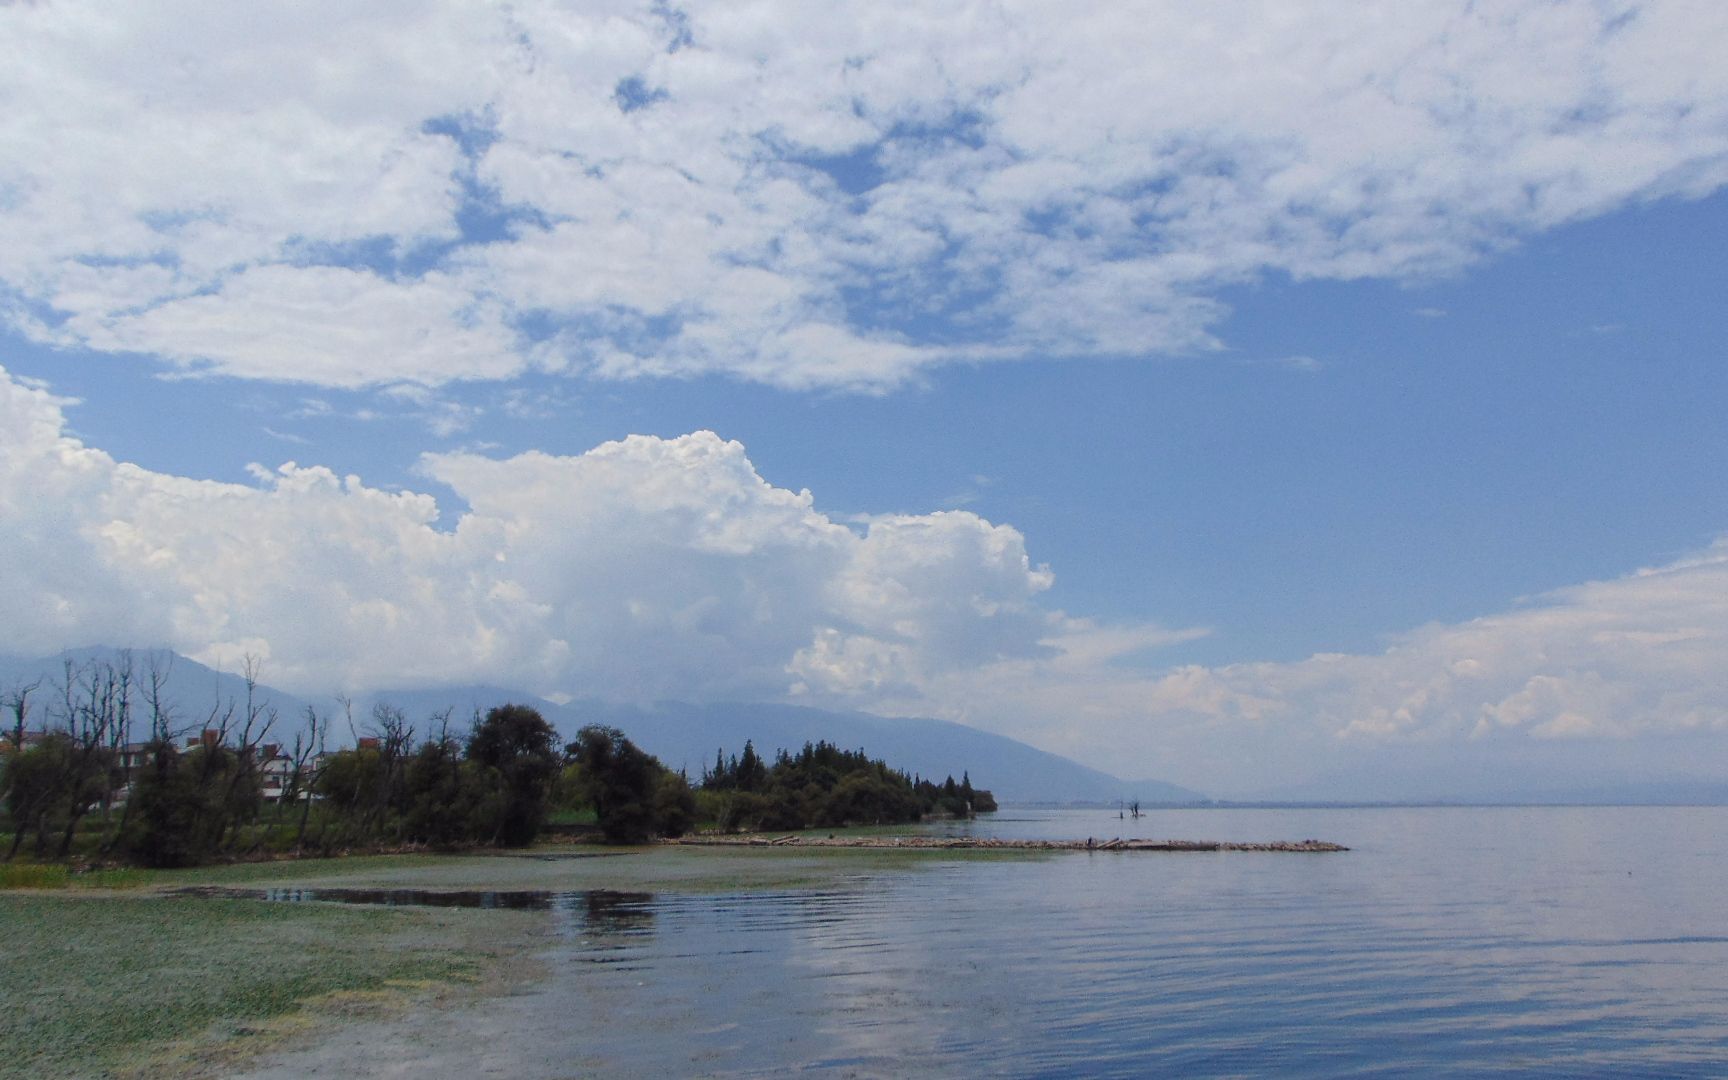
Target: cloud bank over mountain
x: 827, y: 197
x: 670, y: 569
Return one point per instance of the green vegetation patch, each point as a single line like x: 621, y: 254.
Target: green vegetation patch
x: 24, y: 875
x: 559, y: 868
x: 576, y: 868
x: 98, y: 984
x: 28, y: 875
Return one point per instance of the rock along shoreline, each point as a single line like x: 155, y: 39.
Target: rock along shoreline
x: 961, y: 843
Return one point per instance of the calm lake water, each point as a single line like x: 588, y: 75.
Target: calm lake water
x: 1449, y: 941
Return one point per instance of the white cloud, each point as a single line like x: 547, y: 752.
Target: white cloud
x: 1630, y: 661
x: 800, y: 196
x: 286, y: 436
x: 642, y: 569
x: 1616, y: 658
x: 669, y: 568
x: 324, y: 325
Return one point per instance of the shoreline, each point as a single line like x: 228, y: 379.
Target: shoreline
x: 968, y: 843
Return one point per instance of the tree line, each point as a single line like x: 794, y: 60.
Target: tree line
x: 190, y: 790
x: 111, y: 771
x: 823, y: 786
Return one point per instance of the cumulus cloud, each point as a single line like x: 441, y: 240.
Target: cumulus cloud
x: 832, y: 197
x: 1616, y: 658
x: 1634, y: 661
x: 669, y: 568
x: 645, y: 568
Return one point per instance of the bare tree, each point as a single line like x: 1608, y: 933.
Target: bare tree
x: 438, y: 725
x: 391, y: 728
x: 95, y: 709
x: 26, y: 796
x: 395, y: 735
x: 347, y: 704
x: 212, y: 736
x: 17, y: 702
x: 308, y: 751
x: 254, y: 724
x: 116, y: 697
x: 158, y: 749
x: 156, y: 673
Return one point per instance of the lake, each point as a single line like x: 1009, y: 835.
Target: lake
x: 1576, y: 941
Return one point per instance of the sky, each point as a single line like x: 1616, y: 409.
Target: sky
x: 1241, y: 395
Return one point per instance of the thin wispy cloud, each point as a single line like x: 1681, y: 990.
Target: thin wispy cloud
x: 286, y: 436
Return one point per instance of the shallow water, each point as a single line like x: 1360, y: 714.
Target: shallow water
x: 1521, y: 941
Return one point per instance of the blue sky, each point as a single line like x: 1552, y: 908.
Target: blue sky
x: 1444, y: 449
x: 1120, y: 406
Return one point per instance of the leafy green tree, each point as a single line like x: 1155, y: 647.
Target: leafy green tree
x: 168, y: 807
x: 674, y: 805
x: 186, y: 807
x: 349, y: 780
x: 40, y: 780
x: 515, y: 744
x: 751, y: 774
x: 441, y: 795
x: 823, y: 785
x: 634, y: 797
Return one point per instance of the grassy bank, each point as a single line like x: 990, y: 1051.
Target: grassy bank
x: 111, y: 973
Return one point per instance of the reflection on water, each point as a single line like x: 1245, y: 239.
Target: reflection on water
x: 1576, y: 942
x: 600, y: 910
x: 608, y: 926
x: 519, y: 900
x: 605, y: 911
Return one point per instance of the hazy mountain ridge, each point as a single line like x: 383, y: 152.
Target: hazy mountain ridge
x: 681, y: 734
x: 192, y: 693
x: 688, y: 735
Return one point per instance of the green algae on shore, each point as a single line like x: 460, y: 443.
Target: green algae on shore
x: 149, y: 982
x: 142, y: 984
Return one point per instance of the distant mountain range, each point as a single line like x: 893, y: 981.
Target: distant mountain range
x: 682, y: 735
x: 687, y: 736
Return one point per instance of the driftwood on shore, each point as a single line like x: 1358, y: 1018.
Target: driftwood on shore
x: 968, y: 843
